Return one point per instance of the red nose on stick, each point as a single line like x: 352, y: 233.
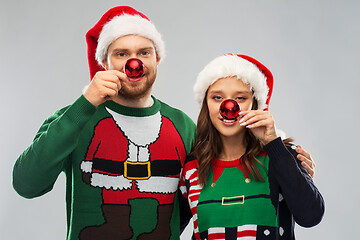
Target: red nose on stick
x: 134, y: 68
x: 229, y: 109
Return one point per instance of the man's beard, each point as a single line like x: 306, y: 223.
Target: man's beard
x: 136, y: 92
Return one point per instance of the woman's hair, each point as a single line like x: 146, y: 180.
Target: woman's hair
x: 208, y: 144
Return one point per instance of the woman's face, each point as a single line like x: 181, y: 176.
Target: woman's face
x: 228, y: 88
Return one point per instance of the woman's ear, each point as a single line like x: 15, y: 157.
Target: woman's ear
x: 254, y: 104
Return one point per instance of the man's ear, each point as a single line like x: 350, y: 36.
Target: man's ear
x: 157, y: 60
x: 105, y: 65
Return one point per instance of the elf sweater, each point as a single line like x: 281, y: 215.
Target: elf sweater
x: 234, y: 206
x: 114, y: 158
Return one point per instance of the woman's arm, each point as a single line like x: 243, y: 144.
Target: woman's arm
x: 298, y: 189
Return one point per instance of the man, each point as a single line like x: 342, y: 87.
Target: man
x: 122, y: 150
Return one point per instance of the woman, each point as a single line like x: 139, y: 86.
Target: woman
x: 243, y: 180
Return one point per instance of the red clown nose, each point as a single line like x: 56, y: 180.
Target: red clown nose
x: 134, y: 68
x: 229, y: 109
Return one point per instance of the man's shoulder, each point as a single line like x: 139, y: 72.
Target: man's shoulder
x: 56, y: 114
x: 81, y: 108
x: 173, y: 112
x: 166, y: 106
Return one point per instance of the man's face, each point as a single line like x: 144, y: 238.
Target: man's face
x: 133, y: 46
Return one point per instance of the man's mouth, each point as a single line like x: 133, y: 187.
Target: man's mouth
x: 135, y: 79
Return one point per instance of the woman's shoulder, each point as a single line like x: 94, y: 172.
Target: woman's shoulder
x: 190, y: 166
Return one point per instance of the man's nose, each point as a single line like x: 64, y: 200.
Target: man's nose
x: 133, y: 55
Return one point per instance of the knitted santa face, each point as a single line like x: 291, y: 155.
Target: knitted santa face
x: 245, y: 68
x: 115, y: 23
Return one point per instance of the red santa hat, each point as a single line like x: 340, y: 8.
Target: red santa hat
x: 115, y: 23
x: 245, y: 68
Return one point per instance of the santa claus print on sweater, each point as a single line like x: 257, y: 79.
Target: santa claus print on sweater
x: 132, y: 157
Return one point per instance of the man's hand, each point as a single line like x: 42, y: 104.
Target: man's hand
x: 104, y: 86
x: 306, y: 160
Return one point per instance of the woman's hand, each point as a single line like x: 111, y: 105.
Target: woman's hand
x: 306, y: 160
x: 260, y: 123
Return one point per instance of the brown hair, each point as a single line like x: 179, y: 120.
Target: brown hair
x: 208, y: 145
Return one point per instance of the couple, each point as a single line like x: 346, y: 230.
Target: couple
x: 125, y: 153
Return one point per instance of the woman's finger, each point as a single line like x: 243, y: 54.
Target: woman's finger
x: 252, y: 117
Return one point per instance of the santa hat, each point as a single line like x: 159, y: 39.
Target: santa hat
x: 245, y: 68
x: 115, y: 23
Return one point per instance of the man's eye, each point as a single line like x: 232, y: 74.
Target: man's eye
x: 120, y: 54
x: 144, y: 53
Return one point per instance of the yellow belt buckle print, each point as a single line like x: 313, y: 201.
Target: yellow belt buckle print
x: 233, y: 200
x: 128, y: 164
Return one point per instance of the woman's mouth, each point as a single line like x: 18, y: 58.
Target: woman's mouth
x: 229, y: 122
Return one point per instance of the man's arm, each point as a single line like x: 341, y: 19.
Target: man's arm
x: 37, y: 168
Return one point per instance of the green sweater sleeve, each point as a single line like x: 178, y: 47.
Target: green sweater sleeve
x: 37, y: 168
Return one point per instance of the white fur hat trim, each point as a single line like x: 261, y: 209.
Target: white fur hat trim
x: 229, y: 66
x: 124, y: 25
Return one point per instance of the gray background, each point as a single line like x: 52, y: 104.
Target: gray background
x: 312, y: 48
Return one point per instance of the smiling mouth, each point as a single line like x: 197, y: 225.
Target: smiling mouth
x: 136, y: 79
x: 229, y: 120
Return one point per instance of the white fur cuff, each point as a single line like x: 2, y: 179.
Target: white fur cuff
x: 86, y: 166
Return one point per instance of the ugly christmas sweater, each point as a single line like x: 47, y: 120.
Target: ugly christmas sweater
x: 234, y: 206
x: 122, y: 168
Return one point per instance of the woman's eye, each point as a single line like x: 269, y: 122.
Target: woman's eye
x: 217, y: 97
x: 240, y: 98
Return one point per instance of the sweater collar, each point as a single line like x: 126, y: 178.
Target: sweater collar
x: 135, y: 112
